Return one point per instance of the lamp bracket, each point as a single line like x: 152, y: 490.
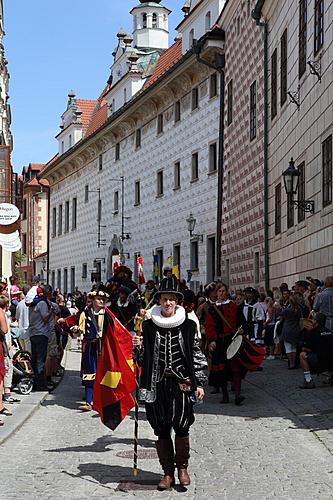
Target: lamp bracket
x: 315, y: 68
x: 304, y: 205
x: 294, y: 97
x: 197, y: 237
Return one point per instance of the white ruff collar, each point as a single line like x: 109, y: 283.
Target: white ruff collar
x: 223, y: 303
x: 171, y: 322
x: 125, y: 304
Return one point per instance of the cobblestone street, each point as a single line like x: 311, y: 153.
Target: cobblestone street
x: 278, y: 445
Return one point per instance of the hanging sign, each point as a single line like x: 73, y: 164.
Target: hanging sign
x: 8, y: 214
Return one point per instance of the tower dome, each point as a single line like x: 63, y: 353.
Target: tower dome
x: 151, y: 25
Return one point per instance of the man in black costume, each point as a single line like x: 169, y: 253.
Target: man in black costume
x: 172, y: 380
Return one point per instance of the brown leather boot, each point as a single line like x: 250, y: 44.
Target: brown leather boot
x: 166, y: 457
x: 182, y: 457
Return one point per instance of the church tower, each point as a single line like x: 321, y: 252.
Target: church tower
x: 151, y: 25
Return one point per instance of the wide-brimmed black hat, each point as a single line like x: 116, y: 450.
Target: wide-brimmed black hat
x: 250, y: 289
x: 169, y: 286
x: 302, y: 283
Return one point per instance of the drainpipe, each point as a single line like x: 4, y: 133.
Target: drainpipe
x: 42, y: 188
x: 257, y: 14
x: 219, y: 66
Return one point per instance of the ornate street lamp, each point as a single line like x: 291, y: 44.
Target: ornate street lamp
x: 291, y: 181
x: 191, y: 222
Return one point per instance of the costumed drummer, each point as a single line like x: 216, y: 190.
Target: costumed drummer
x: 172, y: 380
x: 221, y: 323
x: 92, y: 326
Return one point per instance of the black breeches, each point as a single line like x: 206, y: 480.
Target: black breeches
x: 173, y: 409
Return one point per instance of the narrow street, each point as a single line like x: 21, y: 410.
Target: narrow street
x: 278, y: 445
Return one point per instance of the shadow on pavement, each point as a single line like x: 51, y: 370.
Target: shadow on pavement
x: 103, y: 444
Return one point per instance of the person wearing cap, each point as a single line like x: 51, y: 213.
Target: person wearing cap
x: 312, y: 292
x: 91, y: 325
x: 172, y: 380
x: 35, y: 282
x: 324, y: 302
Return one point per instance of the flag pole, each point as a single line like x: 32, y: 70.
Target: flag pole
x: 138, y: 330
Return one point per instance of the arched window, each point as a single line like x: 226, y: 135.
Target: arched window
x: 155, y: 20
x: 208, y: 21
x: 144, y: 20
x: 191, y: 37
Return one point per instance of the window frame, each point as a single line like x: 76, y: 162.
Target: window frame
x: 318, y: 34
x: 176, y: 175
x: 138, y: 138
x: 229, y: 101
x: 253, y: 110
x: 60, y: 221
x: 177, y: 112
x: 66, y: 228
x: 194, y: 255
x: 54, y: 222
x: 117, y: 151
x: 283, y: 67
x: 195, y: 166
x: 74, y: 213
x: 137, y: 193
x: 274, y: 84
x: 195, y: 98
x: 302, y: 37
x: 301, y: 191
x: 327, y: 174
x: 159, y: 183
x: 212, y: 146
x: 213, y: 85
x: 278, y: 210
x: 160, y: 123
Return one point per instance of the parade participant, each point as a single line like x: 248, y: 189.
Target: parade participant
x: 123, y: 309
x: 291, y: 332
x: 221, y: 321
x: 210, y: 298
x: 317, y: 355
x: 123, y: 276
x: 253, y: 316
x: 324, y: 302
x: 91, y: 325
x: 149, y: 292
x: 171, y: 381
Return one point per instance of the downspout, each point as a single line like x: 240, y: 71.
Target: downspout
x: 48, y: 229
x: 219, y: 66
x: 257, y: 14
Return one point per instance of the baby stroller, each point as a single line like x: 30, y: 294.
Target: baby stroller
x: 22, y: 372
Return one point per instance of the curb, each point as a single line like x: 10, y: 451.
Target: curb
x: 24, y: 411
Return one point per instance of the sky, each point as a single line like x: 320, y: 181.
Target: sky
x: 53, y: 47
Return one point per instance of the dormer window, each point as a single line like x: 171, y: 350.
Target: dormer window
x: 144, y: 20
x: 154, y: 20
x: 191, y: 37
x: 208, y: 21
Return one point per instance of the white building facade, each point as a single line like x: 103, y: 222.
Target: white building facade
x: 300, y: 58
x: 128, y: 187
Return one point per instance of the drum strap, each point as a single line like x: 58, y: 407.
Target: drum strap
x: 224, y: 319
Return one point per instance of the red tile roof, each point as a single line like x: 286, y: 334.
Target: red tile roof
x: 99, y: 114
x: 86, y: 107
x: 165, y: 62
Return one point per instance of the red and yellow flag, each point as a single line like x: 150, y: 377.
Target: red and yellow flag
x: 115, y: 376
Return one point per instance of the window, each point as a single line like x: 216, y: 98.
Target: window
x: 54, y: 222
x: 229, y: 114
x: 160, y: 123
x: 53, y: 280
x: 278, y: 209
x: 99, y: 211
x: 318, y: 25
x: 227, y: 271
x: 86, y: 193
x: 213, y: 157
x: 228, y: 184
x: 117, y: 151
x: 154, y: 25
x: 301, y: 191
x: 195, y: 167
x: 208, y: 21
x: 74, y: 213
x: 65, y: 287
x: 274, y: 84
x: 176, y: 175
x: 195, y: 98
x: 84, y: 271
x: 176, y: 256
x: 70, y: 140
x: 66, y: 216
x: 159, y: 253
x: 24, y: 211
x: 327, y: 171
x: 138, y: 138
x: 284, y: 68
x: 256, y: 267
x: 24, y: 244
x: 160, y: 183
x: 302, y: 34
x: 144, y: 20
x: 238, y: 25
x: 137, y: 193
x: 194, y: 255
x: 213, y: 85
x: 59, y: 279
x: 72, y: 279
x: 253, y: 111
x: 62, y: 147
x: 100, y: 162
x: 290, y: 211
x: 177, y: 111
x: 60, y: 220
x: 125, y: 95
x: 191, y: 37
x: 115, y: 202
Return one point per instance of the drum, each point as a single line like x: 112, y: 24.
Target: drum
x: 248, y: 354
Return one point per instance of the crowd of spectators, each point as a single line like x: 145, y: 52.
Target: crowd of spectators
x: 292, y: 322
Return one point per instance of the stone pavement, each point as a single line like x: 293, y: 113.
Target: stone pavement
x: 278, y: 445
